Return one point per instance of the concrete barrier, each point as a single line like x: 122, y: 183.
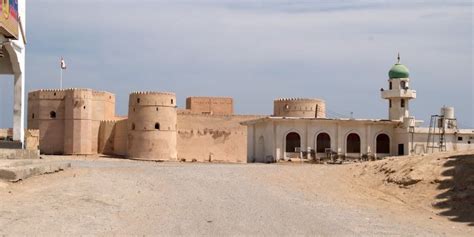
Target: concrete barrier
x: 19, y: 154
x: 14, y: 171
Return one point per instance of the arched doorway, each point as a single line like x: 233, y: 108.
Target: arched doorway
x: 293, y: 141
x: 323, y: 142
x: 383, y: 144
x: 260, y: 156
x: 353, y: 143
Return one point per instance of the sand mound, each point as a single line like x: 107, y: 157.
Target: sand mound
x: 442, y: 183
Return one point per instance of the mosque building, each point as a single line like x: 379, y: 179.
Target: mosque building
x: 299, y: 128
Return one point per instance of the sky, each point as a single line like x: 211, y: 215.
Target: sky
x: 255, y: 51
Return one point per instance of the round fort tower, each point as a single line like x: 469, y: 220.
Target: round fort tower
x: 152, y: 122
x: 299, y: 107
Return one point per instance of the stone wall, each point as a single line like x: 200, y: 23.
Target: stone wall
x: 210, y: 105
x: 6, y: 133
x: 32, y: 137
x: 113, y: 137
x: 215, y: 138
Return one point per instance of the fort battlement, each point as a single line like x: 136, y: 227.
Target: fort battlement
x: 60, y: 94
x: 103, y: 96
x: 152, y: 93
x: 299, y: 99
x: 152, y: 99
x: 210, y: 105
x: 299, y: 107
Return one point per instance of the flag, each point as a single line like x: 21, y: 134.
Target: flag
x: 63, y: 64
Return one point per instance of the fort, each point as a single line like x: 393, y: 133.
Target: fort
x: 84, y: 122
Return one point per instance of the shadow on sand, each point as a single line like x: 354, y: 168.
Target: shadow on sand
x: 457, y: 200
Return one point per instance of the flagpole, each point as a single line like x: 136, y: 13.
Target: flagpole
x: 61, y: 79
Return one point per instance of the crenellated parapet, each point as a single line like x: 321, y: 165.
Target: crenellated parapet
x: 210, y: 105
x: 299, y: 107
x: 147, y: 98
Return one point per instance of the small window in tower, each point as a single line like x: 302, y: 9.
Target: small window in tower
x: 156, y: 108
x: 54, y: 93
x: 138, y: 100
x: 157, y: 126
x: 391, y: 86
x: 84, y: 107
x: 52, y: 114
x: 133, y: 126
x: 460, y: 139
x: 402, y: 103
x: 403, y: 84
x: 390, y: 103
x: 172, y: 101
x: 33, y: 116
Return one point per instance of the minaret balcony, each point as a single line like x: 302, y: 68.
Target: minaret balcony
x: 404, y: 94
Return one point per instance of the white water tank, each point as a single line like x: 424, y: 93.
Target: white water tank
x: 447, y: 112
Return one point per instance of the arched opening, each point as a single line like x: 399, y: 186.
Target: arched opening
x: 157, y: 126
x: 353, y: 143
x: 52, y: 114
x: 323, y: 142
x: 293, y: 141
x: 260, y: 155
x: 133, y: 126
x: 383, y: 144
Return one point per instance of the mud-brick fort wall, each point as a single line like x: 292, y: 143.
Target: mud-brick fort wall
x: 68, y: 120
x: 212, y: 138
x: 113, y: 137
x: 297, y: 107
x: 210, y: 105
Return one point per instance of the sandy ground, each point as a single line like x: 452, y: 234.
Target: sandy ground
x: 120, y: 197
x: 442, y: 183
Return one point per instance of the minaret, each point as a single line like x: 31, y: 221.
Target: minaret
x: 399, y: 93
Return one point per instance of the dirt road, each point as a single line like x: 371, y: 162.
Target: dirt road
x: 120, y: 197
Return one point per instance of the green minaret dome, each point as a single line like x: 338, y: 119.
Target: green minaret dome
x: 399, y: 71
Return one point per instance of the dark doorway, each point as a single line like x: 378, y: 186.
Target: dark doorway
x: 353, y: 143
x: 323, y: 142
x: 401, y: 149
x: 293, y: 141
x: 383, y: 144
